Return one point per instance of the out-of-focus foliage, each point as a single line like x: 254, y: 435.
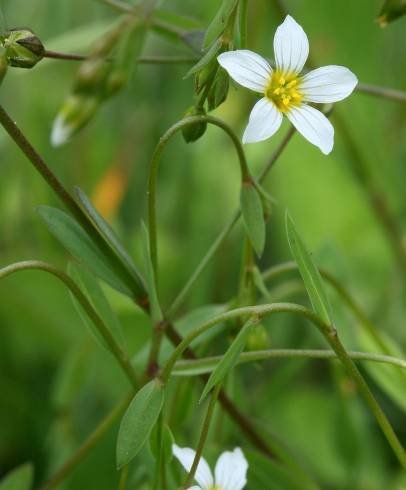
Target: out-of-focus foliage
x: 57, y: 384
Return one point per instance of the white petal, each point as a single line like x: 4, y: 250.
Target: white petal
x: 247, y: 68
x: 314, y: 126
x: 264, y: 121
x: 291, y: 46
x: 61, y: 132
x: 203, y: 474
x: 328, y: 84
x: 231, y: 470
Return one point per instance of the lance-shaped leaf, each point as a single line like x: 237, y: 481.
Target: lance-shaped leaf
x: 309, y: 272
x: 138, y: 421
x: 210, y: 55
x: 391, y: 10
x: 253, y: 216
x: 88, y: 283
x: 230, y: 358
x: 108, y: 233
x: 18, y: 479
x: 219, y: 22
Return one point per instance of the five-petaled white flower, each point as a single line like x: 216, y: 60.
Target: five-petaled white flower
x: 287, y: 92
x: 229, y: 474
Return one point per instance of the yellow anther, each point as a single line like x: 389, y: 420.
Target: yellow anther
x: 277, y: 91
x: 283, y: 90
x: 291, y: 84
x: 286, y: 100
x: 282, y: 81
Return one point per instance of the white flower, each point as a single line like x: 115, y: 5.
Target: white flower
x: 229, y: 474
x: 287, y: 92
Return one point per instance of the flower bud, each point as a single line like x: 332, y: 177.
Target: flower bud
x: 218, y: 91
x: 91, y: 75
x: 391, y: 10
x: 258, y: 339
x: 74, y: 114
x: 193, y: 132
x: 23, y: 48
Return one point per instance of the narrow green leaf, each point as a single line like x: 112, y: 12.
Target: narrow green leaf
x: 138, y: 421
x: 229, y: 359
x: 81, y: 245
x: 309, y: 272
x: 108, y: 233
x: 156, y: 312
x: 260, y: 283
x: 88, y: 283
x: 209, y: 56
x: 219, y: 22
x: 167, y: 442
x: 253, y: 216
x: 18, y: 479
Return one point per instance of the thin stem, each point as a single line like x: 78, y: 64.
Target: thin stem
x: 330, y: 335
x: 123, y: 478
x: 133, y: 282
x: 89, y: 443
x: 56, y: 55
x: 203, y: 436
x: 156, y: 157
x: 386, y: 92
x: 243, y: 22
x: 118, y: 5
x: 115, y: 349
x: 208, y: 364
x: 224, y: 233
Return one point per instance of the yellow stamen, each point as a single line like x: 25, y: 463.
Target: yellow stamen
x: 283, y: 90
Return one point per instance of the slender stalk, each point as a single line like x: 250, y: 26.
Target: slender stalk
x: 203, y: 436
x: 133, y: 282
x: 243, y: 23
x: 115, y: 349
x: 56, y: 55
x: 385, y: 92
x: 224, y: 233
x: 123, y: 478
x: 89, y: 443
x: 153, y: 174
x: 208, y: 364
x: 118, y: 5
x: 330, y: 335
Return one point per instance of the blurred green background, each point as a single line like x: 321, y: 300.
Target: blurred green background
x: 56, y: 384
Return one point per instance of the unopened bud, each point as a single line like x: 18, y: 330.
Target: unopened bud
x: 391, y: 10
x: 258, y: 339
x: 115, y: 82
x: 193, y: 132
x: 74, y: 114
x: 23, y: 48
x: 218, y: 91
x: 91, y: 75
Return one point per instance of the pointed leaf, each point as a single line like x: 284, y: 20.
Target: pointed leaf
x: 108, y: 233
x: 230, y: 358
x: 209, y: 56
x: 219, y: 22
x: 253, y: 216
x: 88, y: 283
x: 138, y: 421
x: 81, y: 245
x: 309, y: 272
x: 18, y: 479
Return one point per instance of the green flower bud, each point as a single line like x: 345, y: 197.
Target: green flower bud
x: 74, y: 114
x: 92, y: 75
x: 115, y: 82
x: 218, y: 91
x: 193, y: 132
x: 391, y: 10
x: 258, y: 339
x: 23, y: 48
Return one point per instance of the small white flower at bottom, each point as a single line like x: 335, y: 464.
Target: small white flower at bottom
x: 229, y: 474
x: 285, y: 90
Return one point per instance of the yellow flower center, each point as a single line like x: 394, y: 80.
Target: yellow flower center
x: 215, y: 488
x: 283, y: 90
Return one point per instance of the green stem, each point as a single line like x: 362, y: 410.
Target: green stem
x: 118, y: 5
x: 224, y: 233
x: 203, y: 436
x: 330, y: 335
x: 385, y: 92
x: 123, y: 478
x: 115, y: 349
x: 208, y: 364
x: 89, y: 443
x: 243, y: 22
x: 156, y: 157
x: 133, y: 282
